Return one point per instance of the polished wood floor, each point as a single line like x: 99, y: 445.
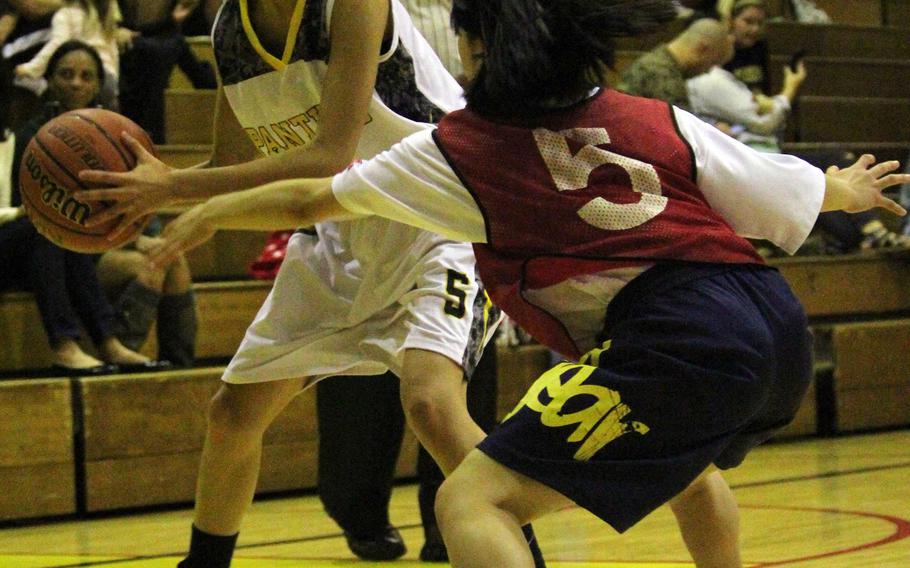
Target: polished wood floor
x: 832, y: 503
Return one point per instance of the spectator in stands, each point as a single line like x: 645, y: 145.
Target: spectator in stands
x: 720, y: 97
x: 662, y: 72
x: 157, y: 45
x: 64, y: 283
x: 750, y: 58
x: 94, y: 22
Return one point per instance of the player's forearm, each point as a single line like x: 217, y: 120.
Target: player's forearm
x: 202, y: 183
x: 284, y: 204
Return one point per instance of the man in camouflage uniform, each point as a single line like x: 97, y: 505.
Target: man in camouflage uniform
x: 662, y: 72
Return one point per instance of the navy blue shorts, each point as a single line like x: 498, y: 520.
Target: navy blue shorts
x: 701, y: 363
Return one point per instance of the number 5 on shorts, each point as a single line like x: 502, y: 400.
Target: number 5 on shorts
x: 455, y: 303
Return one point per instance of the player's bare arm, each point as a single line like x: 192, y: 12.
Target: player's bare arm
x: 278, y: 205
x: 357, y: 32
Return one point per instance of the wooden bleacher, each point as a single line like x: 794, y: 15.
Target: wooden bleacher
x: 225, y: 310
x: 71, y: 445
x: 37, y: 462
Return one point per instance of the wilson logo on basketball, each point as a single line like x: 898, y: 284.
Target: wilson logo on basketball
x: 55, y: 196
x: 76, y: 144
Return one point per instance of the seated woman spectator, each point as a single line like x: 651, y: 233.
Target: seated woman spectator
x: 65, y: 283
x: 95, y: 23
x: 746, y: 19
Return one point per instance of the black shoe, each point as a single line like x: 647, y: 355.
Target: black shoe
x: 434, y: 551
x: 387, y: 545
x: 97, y: 370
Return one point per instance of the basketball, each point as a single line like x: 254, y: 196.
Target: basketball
x: 84, y: 139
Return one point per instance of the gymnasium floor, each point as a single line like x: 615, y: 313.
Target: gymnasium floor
x: 833, y: 503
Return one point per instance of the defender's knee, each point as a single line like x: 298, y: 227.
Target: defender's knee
x: 426, y: 412
x: 454, y: 501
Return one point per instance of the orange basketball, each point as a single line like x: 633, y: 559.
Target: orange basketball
x: 84, y: 139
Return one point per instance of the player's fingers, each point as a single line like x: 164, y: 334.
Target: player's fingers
x: 102, y: 177
x: 832, y: 170
x: 118, y: 195
x: 892, y: 206
x: 135, y: 147
x: 127, y: 223
x: 163, y: 254
x: 865, y: 160
x: 106, y: 215
x: 878, y: 170
x: 892, y: 180
x: 167, y: 251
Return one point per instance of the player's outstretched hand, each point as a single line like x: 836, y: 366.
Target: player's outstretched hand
x: 859, y: 187
x: 136, y: 193
x: 186, y: 232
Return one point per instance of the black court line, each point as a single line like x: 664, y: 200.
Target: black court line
x: 747, y: 485
x: 826, y: 475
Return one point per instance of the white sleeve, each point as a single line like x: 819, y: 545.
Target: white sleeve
x: 776, y: 197
x: 720, y: 95
x: 412, y: 183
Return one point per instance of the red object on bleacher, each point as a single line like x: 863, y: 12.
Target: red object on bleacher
x: 266, y: 266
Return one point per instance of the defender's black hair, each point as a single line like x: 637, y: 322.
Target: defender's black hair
x: 541, y: 52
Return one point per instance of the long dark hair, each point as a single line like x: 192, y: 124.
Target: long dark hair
x: 65, y: 48
x: 69, y: 47
x: 541, y: 52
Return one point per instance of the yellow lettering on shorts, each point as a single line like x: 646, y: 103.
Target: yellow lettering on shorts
x: 598, y: 424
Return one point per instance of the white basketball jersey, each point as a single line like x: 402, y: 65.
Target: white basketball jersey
x: 356, y: 269
x: 277, y: 100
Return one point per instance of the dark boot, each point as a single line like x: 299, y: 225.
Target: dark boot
x: 136, y: 309
x: 177, y: 325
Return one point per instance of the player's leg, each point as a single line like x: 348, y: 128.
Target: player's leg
x: 481, y: 397
x: 360, y: 430
x: 481, y: 522
x: 708, y: 518
x: 434, y: 400
x: 237, y: 419
x: 433, y: 396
